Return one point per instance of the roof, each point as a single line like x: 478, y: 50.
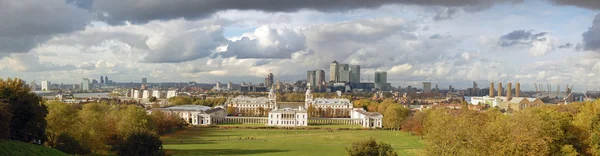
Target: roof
x: 287, y: 110
x: 517, y: 100
x: 189, y: 108
x: 332, y: 101
x: 363, y: 112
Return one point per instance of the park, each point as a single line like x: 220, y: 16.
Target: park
x: 229, y: 140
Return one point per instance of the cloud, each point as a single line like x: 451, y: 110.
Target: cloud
x: 591, y: 38
x: 446, y: 13
x: 27, y: 23
x: 521, y: 37
x: 267, y: 43
x: 118, y: 11
x: 538, y: 43
x: 32, y: 63
x: 565, y: 46
x: 439, y: 36
x: 588, y: 4
x: 399, y: 69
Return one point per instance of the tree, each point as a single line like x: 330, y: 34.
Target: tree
x: 370, y: 147
x: 394, y: 116
x: 61, y: 120
x: 95, y: 127
x: 152, y: 99
x: 415, y: 123
x: 68, y: 144
x: 27, y: 112
x: 311, y: 110
x: 5, y: 117
x: 231, y: 110
x: 180, y: 100
x: 140, y: 143
x: 261, y: 111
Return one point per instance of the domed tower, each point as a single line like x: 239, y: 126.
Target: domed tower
x: 308, y: 98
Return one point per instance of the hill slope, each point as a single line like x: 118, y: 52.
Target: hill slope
x: 10, y: 147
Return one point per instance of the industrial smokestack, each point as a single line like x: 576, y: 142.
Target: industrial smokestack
x: 492, y: 89
x: 499, y: 89
x: 509, y: 92
x: 518, y: 90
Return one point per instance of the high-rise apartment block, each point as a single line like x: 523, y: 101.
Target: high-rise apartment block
x: 85, y: 84
x: 45, y: 85
x: 427, y: 87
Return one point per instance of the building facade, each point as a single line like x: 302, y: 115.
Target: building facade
x: 253, y: 106
x: 85, y: 84
x: 288, y: 117
x: 45, y: 85
x: 194, y: 114
x: 369, y: 119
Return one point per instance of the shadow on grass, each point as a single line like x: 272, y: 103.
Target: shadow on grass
x: 221, y: 152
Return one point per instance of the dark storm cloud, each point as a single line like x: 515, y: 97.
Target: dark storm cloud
x: 589, y: 4
x: 566, y: 45
x: 140, y: 12
x: 521, y: 37
x: 27, y: 23
x: 591, y: 38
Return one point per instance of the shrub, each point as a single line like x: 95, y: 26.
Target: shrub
x: 370, y: 148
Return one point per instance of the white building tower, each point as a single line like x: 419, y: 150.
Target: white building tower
x: 309, y: 98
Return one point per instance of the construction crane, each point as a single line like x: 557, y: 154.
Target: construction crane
x: 536, y: 87
x: 567, y: 97
x: 586, y: 97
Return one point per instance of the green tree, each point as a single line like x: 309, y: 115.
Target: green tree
x: 394, y: 116
x: 152, y: 99
x: 370, y: 147
x: 5, y: 120
x: 140, y: 143
x: 68, y: 144
x: 180, y: 100
x: 61, y: 120
x: 231, y: 110
x: 94, y: 127
x: 312, y: 111
x: 27, y: 112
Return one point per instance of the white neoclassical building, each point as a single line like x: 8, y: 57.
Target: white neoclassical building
x: 369, y: 119
x: 194, y: 114
x: 339, y: 106
x: 252, y: 105
x: 288, y: 117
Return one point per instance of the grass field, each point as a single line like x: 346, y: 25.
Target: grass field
x: 11, y: 147
x: 215, y: 141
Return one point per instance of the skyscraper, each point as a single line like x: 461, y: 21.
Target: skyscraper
x: 269, y: 80
x: 316, y: 79
x: 333, y: 71
x: 45, y: 85
x: 101, y: 80
x: 427, y: 87
x: 380, y: 77
x: 85, y: 84
x: 354, y: 73
x: 144, y: 81
x: 32, y: 85
x: 106, y: 79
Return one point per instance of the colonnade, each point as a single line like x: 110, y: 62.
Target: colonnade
x: 242, y: 120
x: 334, y: 121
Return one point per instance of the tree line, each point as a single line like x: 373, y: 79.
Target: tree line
x: 572, y: 129
x: 95, y: 128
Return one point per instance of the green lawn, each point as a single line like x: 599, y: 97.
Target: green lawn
x: 215, y: 141
x: 11, y: 147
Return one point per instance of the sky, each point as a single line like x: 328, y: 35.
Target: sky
x: 446, y: 42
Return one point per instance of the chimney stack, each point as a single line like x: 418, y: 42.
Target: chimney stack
x: 509, y: 91
x: 492, y: 89
x: 499, y: 89
x: 518, y: 90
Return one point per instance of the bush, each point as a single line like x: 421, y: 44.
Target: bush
x: 141, y: 143
x: 69, y: 145
x: 370, y: 148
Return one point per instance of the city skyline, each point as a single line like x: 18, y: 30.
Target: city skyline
x: 442, y: 42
